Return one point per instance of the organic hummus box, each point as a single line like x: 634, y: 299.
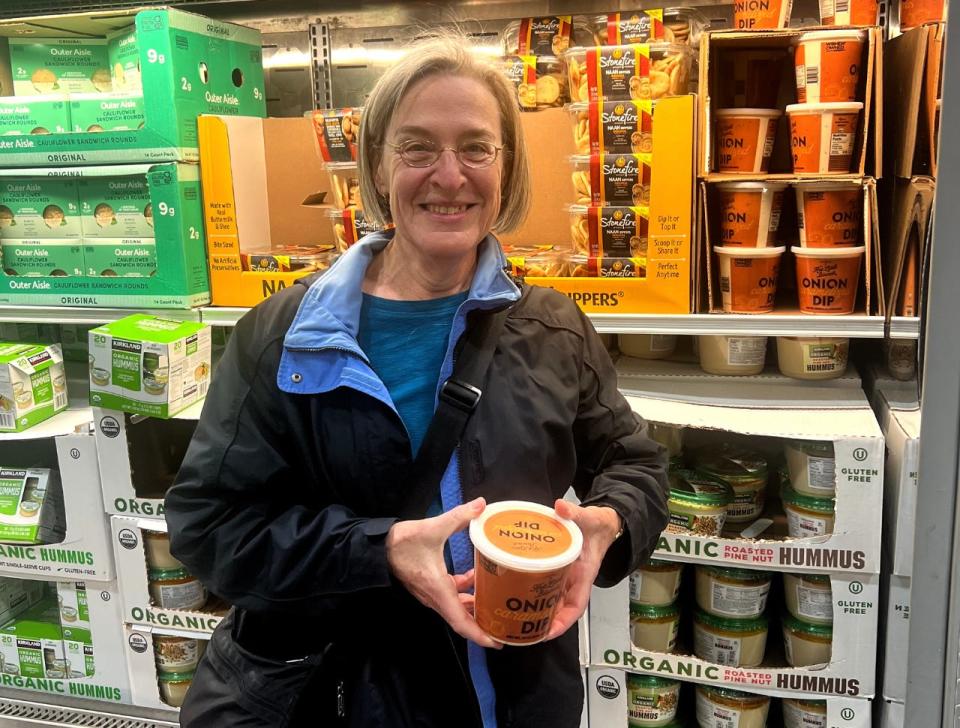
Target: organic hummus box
x: 31, y: 506
x: 19, y: 595
x: 123, y: 53
x: 149, y: 365
x: 33, y: 385
x: 106, y: 112
x: 122, y: 257
x: 35, y: 258
x: 72, y: 600
x: 34, y: 115
x: 65, y: 65
x: 77, y: 651
x: 32, y: 645
x: 115, y: 207
x: 39, y: 207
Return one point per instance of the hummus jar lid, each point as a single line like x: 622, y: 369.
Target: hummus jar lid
x: 690, y: 487
x: 543, y: 542
x: 751, y: 625
x: 730, y: 463
x: 654, y: 612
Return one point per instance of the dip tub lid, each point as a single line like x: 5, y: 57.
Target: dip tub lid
x: 526, y: 536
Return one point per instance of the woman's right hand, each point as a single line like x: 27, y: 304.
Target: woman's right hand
x: 415, y: 556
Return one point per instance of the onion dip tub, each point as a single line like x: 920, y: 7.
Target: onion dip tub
x: 761, y: 14
x: 522, y: 553
x: 745, y: 139
x: 829, y: 214
x: 827, y: 279
x: 827, y: 64
x: 750, y: 213
x: 822, y: 136
x: 748, y: 278
x: 850, y: 12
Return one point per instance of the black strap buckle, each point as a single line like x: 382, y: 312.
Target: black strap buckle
x: 461, y: 395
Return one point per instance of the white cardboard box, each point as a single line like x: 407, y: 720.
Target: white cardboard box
x: 896, y: 636
x: 110, y: 682
x: 584, y: 714
x: 85, y: 552
x: 891, y: 714
x: 128, y: 445
x: 902, y: 431
x: 607, y: 704
x: 853, y: 546
x: 141, y: 663
x: 851, y: 671
x: 138, y: 607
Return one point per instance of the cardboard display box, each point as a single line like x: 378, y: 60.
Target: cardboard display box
x: 607, y: 696
x: 84, y: 552
x: 891, y: 714
x: 188, y: 65
x: 850, y: 673
x: 901, y: 430
x: 896, y: 635
x: 138, y: 607
x: 905, y: 221
x: 142, y: 666
x: 139, y: 458
x: 180, y: 280
x: 854, y: 545
x: 715, y: 44
x: 870, y: 298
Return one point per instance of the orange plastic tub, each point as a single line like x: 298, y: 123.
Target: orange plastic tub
x: 827, y: 279
x: 918, y: 12
x: 822, y: 136
x: 522, y: 554
x: 850, y: 12
x: 745, y: 139
x: 830, y: 214
x: 827, y: 65
x: 761, y: 14
x: 748, y: 278
x: 750, y: 213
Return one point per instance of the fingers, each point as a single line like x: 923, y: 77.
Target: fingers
x: 464, y: 582
x: 568, y: 510
x: 573, y: 605
x: 459, y: 518
x: 449, y: 606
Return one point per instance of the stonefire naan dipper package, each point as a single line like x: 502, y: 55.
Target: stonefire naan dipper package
x: 522, y: 554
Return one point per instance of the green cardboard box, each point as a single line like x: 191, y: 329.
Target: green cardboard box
x: 115, y: 207
x: 39, y: 207
x: 149, y: 365
x: 106, y: 112
x: 189, y: 65
x: 78, y: 651
x: 34, y: 115
x: 41, y: 258
x: 32, y: 644
x: 31, y: 506
x: 123, y: 52
x: 33, y: 385
x: 64, y: 65
x: 123, y: 257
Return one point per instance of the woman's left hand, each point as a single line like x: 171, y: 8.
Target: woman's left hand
x: 600, y: 526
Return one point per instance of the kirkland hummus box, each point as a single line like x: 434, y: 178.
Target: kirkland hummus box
x: 39, y: 207
x: 31, y: 506
x: 106, y: 112
x: 72, y: 600
x: 33, y: 385
x: 124, y: 258
x: 34, y: 115
x: 123, y: 52
x: 115, y: 207
x: 149, y: 365
x: 32, y: 645
x: 49, y: 65
x: 35, y: 258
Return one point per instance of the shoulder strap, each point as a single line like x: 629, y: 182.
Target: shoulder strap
x: 458, y: 398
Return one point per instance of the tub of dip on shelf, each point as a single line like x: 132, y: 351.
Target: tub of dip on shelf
x: 732, y: 355
x: 827, y: 279
x: 748, y: 278
x: 523, y: 552
x: 612, y: 179
x: 809, y: 597
x: 642, y: 71
x: 827, y: 64
x: 807, y: 516
x: 697, y: 504
x: 732, y: 593
x: 176, y: 654
x: 726, y: 708
x: 829, y: 214
x: 174, y: 686
x: 176, y: 589
x: 822, y: 136
x: 750, y: 213
x: 654, y: 628
x: 757, y: 15
x: 729, y: 642
x: 745, y: 471
x: 806, y: 644
x: 804, y: 713
x: 745, y: 139
x: 157, y: 545
x: 612, y: 127
x: 651, y: 700
x: 656, y: 583
x: 648, y: 346
x: 918, y: 12
x: 812, y: 467
x: 849, y: 12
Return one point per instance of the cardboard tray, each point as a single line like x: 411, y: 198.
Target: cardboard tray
x: 142, y: 668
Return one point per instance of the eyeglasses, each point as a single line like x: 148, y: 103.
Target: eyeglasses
x: 416, y: 153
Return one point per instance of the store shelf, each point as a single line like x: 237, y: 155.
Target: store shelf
x: 34, y: 710
x: 70, y: 421
x: 74, y: 315
x: 792, y: 324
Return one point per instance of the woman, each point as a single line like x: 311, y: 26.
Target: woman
x: 286, y: 504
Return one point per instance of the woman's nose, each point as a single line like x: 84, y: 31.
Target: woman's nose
x: 447, y: 170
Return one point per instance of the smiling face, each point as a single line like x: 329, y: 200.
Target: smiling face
x: 446, y: 209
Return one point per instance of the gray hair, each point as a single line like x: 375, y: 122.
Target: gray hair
x: 447, y: 54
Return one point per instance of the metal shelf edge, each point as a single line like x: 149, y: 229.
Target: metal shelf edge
x: 75, y: 315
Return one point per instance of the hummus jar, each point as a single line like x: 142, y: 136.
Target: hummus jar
x: 176, y: 589
x: 732, y: 355
x: 648, y: 346
x: 157, y: 546
x: 799, y: 713
x: 812, y: 357
x: 174, y: 686
x: 809, y: 597
x: 745, y: 139
x: 523, y: 552
x: 730, y: 642
x: 656, y: 583
x: 812, y: 467
x: 176, y: 654
x: 651, y: 700
x: 807, y: 517
x: 732, y: 593
x: 654, y: 628
x: 806, y: 644
x: 725, y: 708
x: 697, y: 504
x: 744, y: 471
